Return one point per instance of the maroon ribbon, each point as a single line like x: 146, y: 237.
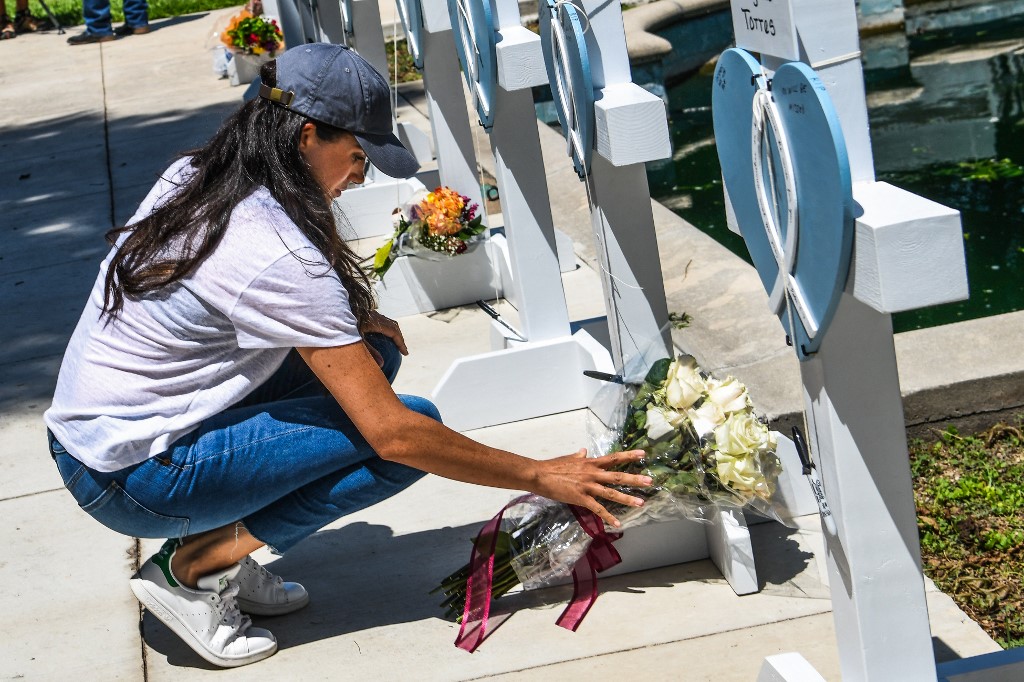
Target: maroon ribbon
x: 479, y: 583
x: 600, y: 556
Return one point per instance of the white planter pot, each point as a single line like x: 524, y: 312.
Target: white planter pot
x: 244, y: 68
x: 416, y: 285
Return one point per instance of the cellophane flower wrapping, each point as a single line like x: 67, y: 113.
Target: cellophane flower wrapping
x: 435, y: 225
x: 706, y: 451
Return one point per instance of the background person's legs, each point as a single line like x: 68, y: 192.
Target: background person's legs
x: 136, y: 13
x: 97, y: 17
x: 24, y: 22
x: 6, y: 25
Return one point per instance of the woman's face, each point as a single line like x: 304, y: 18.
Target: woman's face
x: 335, y: 164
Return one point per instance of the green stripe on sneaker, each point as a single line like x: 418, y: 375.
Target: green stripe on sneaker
x: 163, y: 560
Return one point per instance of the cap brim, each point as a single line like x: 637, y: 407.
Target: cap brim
x: 388, y: 154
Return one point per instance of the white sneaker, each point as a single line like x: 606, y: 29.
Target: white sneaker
x: 262, y: 593
x: 207, y: 618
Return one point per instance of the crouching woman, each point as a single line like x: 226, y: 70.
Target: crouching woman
x: 228, y: 385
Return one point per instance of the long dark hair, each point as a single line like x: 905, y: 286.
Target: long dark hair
x: 257, y: 146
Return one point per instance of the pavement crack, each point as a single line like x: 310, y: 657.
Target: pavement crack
x: 135, y: 554
x: 32, y: 494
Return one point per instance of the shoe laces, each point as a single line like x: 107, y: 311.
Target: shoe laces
x: 230, y: 614
x: 264, y: 574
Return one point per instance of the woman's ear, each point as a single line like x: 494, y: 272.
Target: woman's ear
x: 306, y: 136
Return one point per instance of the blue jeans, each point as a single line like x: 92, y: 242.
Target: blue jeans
x: 97, y: 15
x: 286, y: 461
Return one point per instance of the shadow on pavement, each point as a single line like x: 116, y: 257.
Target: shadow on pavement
x: 782, y: 565
x: 174, y: 21
x: 362, y: 577
x: 56, y: 199
x: 359, y: 577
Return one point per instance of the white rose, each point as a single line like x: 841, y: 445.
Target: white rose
x: 706, y: 418
x: 742, y: 434
x: 730, y: 395
x: 740, y: 472
x: 685, y: 385
x: 661, y: 422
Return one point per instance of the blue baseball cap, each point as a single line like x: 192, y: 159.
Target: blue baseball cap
x: 334, y: 85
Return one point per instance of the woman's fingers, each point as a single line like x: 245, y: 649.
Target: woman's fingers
x: 613, y: 495
x: 590, y: 482
x: 618, y: 458
x: 399, y: 339
x: 390, y: 329
x: 605, y: 515
x: 627, y: 480
x: 387, y: 327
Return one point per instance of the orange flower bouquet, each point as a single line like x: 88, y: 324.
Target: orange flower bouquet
x: 441, y: 223
x: 250, y: 34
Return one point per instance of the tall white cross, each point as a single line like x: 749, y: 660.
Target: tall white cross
x: 907, y: 253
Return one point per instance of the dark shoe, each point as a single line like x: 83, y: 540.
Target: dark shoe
x: 6, y: 28
x: 89, y: 38
x: 25, y: 22
x: 125, y: 30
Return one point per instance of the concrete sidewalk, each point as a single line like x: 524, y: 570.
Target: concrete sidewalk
x: 83, y: 134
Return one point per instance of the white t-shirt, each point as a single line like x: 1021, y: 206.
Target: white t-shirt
x: 129, y: 387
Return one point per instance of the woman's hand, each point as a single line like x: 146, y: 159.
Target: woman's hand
x: 583, y: 481
x: 376, y: 323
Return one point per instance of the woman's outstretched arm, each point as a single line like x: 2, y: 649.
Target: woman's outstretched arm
x: 399, y: 434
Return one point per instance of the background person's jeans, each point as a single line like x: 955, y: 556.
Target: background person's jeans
x: 97, y: 15
x: 286, y: 461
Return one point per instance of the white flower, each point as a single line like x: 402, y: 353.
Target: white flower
x: 706, y: 418
x: 397, y: 216
x: 730, y: 395
x: 661, y: 422
x: 741, y: 473
x: 684, y: 386
x: 742, y: 434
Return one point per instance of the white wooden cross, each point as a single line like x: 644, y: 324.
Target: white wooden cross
x: 541, y: 372
x: 629, y: 128
x: 357, y: 24
x: 587, y: 63
x: 446, y: 102
x: 907, y: 253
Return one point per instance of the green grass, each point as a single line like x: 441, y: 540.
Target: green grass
x: 69, y: 12
x: 969, y: 491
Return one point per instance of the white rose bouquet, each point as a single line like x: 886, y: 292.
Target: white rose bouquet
x: 706, y: 450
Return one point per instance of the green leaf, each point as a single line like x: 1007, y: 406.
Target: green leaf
x: 383, y: 259
x: 680, y: 320
x: 658, y: 372
x: 472, y: 228
x: 640, y: 419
